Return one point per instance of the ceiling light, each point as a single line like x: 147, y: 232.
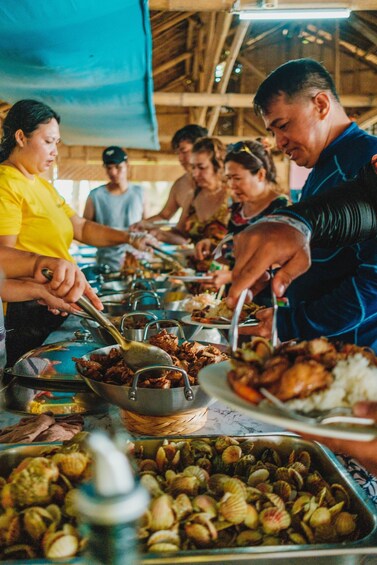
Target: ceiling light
x: 292, y: 14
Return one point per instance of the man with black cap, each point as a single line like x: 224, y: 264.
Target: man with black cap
x: 118, y: 204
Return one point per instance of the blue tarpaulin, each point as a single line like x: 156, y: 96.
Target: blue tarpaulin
x: 88, y: 59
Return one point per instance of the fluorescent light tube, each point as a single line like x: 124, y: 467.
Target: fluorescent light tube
x: 272, y: 14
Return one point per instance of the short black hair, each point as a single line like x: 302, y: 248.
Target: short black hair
x: 189, y: 133
x: 300, y: 76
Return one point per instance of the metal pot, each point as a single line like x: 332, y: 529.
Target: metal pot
x: 148, y: 401
x: 117, y: 304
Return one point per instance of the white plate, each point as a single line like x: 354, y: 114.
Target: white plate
x: 213, y: 379
x: 222, y: 326
x: 192, y: 278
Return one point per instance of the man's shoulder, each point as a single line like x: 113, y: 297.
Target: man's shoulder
x: 185, y: 182
x: 97, y: 189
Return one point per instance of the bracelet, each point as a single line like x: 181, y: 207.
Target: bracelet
x: 133, y: 236
x: 292, y: 222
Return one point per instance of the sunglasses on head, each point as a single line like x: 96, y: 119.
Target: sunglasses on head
x: 240, y: 147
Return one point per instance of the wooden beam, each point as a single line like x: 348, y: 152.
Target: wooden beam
x: 246, y: 63
x: 169, y: 23
x: 368, y: 119
x: 199, y: 99
x: 234, y: 52
x: 250, y: 43
x: 172, y: 63
x: 222, y: 28
x: 363, y: 28
x: 311, y: 4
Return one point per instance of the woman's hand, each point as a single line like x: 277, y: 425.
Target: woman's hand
x: 203, y: 249
x: 68, y: 282
x: 142, y: 241
x: 264, y: 328
x: 222, y: 277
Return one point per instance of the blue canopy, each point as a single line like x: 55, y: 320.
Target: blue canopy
x: 88, y: 59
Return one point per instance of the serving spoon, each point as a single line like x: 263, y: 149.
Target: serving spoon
x: 136, y: 354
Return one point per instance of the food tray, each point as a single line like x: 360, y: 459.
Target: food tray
x: 349, y: 553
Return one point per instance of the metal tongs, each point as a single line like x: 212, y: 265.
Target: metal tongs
x: 337, y: 415
x: 165, y: 256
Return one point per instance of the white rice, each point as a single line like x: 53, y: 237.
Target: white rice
x: 354, y: 379
x: 200, y: 301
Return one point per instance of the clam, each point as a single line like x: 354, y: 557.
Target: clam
x: 223, y: 442
x: 325, y: 533
x: 345, y: 523
x: 233, y: 508
x: 205, y: 463
x: 205, y: 503
x: 274, y: 520
x: 36, y: 521
x: 13, y: 533
x: 275, y: 500
x: 183, y: 484
x: 258, y: 476
x: 198, y: 472
x: 199, y: 534
x: 163, y: 548
x: 271, y: 456
x: 72, y: 465
x: 252, y: 517
x: 283, y: 489
x: 247, y: 446
x: 148, y: 465
x: 164, y: 536
x: 162, y: 515
x: 270, y: 540
x: 296, y: 478
x: 244, y: 464
x: 60, y: 545
x: 308, y: 532
x: 282, y: 474
x: 201, y: 448
x: 334, y: 510
x: 70, y: 503
x: 340, y: 494
x: 235, y: 486
x: 151, y: 484
x: 296, y: 538
x: 249, y: 537
x: 216, y: 483
x: 320, y: 517
x: 182, y: 506
x: 231, y: 454
x: 301, y: 504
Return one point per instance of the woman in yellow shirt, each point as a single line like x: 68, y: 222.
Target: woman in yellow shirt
x: 34, y: 217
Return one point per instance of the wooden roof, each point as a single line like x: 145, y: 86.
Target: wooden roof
x: 189, y: 47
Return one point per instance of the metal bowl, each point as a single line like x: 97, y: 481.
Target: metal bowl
x: 147, y: 401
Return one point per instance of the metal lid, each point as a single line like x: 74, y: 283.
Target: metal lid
x: 53, y: 364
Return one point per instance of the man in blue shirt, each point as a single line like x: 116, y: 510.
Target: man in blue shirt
x: 337, y: 297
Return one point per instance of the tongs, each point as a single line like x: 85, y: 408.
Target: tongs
x: 166, y: 257
x: 337, y: 415
x: 135, y: 353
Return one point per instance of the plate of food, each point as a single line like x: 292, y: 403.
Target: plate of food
x: 308, y: 377
x: 186, y: 274
x: 217, y: 314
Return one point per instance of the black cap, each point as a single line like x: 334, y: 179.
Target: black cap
x: 114, y: 155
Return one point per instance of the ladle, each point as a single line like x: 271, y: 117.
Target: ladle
x: 136, y: 354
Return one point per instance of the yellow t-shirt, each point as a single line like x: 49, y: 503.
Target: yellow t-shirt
x: 34, y: 212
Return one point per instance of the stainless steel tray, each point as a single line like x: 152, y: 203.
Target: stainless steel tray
x: 352, y: 553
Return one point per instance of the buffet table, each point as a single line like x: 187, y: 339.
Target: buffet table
x: 221, y: 421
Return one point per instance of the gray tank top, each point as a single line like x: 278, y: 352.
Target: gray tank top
x: 117, y: 211
x: 3, y: 355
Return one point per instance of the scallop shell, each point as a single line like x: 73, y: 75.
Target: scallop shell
x: 204, y: 463
x: 334, y: 510
x: 340, y: 494
x: 72, y: 465
x: 163, y: 548
x: 274, y: 520
x: 308, y: 532
x: 216, y: 483
x: 170, y: 475
x: 148, y: 465
x: 258, y: 476
x: 151, y: 484
x: 282, y: 474
x: 295, y: 478
x: 345, y: 523
x: 243, y: 466
x: 198, y: 472
x: 271, y: 455
x: 235, y: 486
x: 223, y: 442
x: 55, y: 513
x: 231, y: 454
x: 283, y: 489
x: 164, y: 536
x: 304, y: 457
x: 70, y: 503
x: 233, y: 508
x: 249, y: 537
x: 325, y: 533
x: 60, y: 545
x: 162, y: 515
x: 247, y: 446
x: 320, y: 517
x: 182, y: 506
x: 205, y: 503
x: 201, y: 448
x: 182, y: 484
x: 199, y: 534
x: 20, y: 551
x: 36, y: 521
x: 297, y: 538
x: 251, y: 520
x: 301, y: 504
x: 270, y: 540
x: 13, y: 532
x: 275, y: 500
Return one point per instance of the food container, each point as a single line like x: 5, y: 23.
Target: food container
x: 46, y: 378
x: 147, y: 401
x: 349, y: 553
x: 117, y: 304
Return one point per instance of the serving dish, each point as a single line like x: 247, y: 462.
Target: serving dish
x: 214, y: 381
x: 349, y: 553
x: 219, y: 325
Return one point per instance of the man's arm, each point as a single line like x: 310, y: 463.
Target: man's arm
x: 89, y: 210
x: 170, y: 208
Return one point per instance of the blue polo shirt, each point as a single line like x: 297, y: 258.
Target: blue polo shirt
x: 337, y: 297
